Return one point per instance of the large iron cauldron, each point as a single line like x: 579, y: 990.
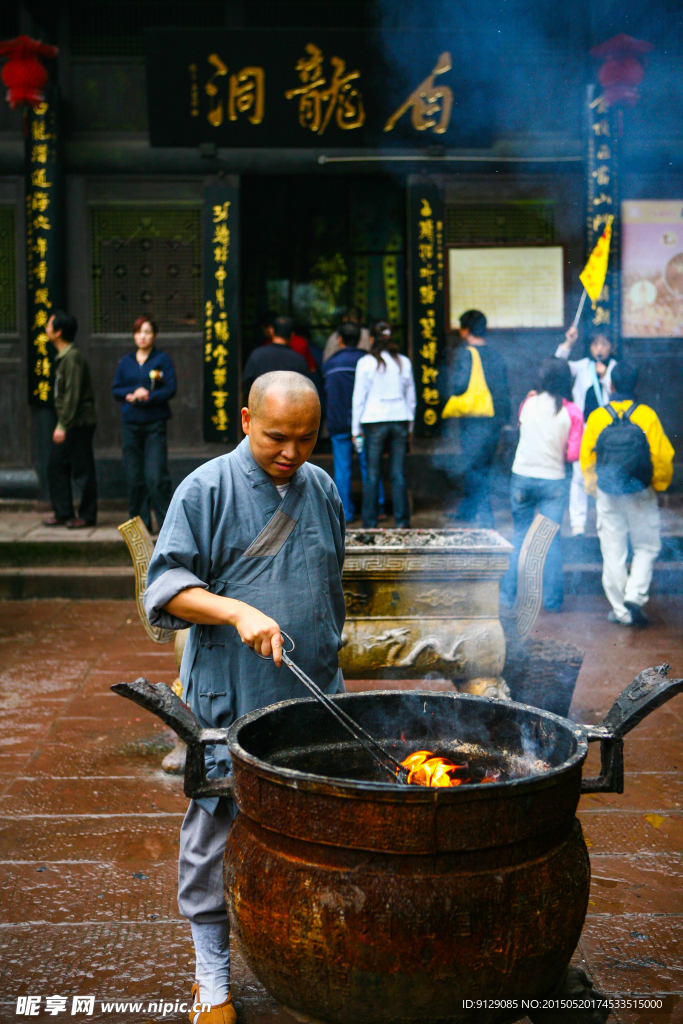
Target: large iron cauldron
x: 357, y: 900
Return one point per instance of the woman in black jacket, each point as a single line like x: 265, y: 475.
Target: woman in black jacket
x: 144, y: 383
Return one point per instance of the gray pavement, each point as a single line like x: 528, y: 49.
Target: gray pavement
x: 89, y: 823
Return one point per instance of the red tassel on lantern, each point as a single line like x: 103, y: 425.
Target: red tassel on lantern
x: 22, y: 73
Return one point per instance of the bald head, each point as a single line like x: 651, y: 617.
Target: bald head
x: 281, y: 422
x: 286, y: 387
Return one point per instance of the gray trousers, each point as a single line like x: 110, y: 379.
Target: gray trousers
x: 200, y: 864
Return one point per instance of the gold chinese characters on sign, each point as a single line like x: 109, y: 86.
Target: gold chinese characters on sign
x: 318, y: 101
x: 39, y: 228
x: 246, y: 93
x: 430, y: 283
x: 427, y: 101
x: 329, y: 93
x: 602, y: 197
x: 216, y: 326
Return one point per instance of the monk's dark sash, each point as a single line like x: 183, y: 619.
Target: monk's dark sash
x: 270, y: 541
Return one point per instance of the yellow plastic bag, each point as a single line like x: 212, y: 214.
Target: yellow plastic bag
x: 476, y: 401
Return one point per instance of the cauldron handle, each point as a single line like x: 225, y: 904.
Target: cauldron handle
x: 649, y: 690
x: 163, y: 702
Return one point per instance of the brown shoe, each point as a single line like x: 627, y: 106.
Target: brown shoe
x: 78, y: 524
x: 224, y: 1013
x: 54, y: 521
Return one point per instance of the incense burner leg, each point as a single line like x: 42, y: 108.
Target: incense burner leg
x: 174, y: 763
x: 575, y: 985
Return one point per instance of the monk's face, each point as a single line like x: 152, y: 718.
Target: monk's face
x: 282, y: 433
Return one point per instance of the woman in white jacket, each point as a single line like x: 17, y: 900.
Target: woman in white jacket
x: 383, y: 411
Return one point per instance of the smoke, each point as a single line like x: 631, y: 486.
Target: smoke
x: 519, y: 78
x: 510, y: 74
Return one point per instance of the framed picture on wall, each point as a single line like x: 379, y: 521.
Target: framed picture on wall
x: 652, y: 269
x: 515, y: 286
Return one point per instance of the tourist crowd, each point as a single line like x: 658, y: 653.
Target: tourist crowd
x: 582, y: 433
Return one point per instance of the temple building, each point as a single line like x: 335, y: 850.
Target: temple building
x: 207, y: 164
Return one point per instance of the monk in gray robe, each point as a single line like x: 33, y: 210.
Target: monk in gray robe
x: 253, y: 543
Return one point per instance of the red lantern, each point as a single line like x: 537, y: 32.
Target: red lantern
x: 622, y: 71
x: 22, y: 73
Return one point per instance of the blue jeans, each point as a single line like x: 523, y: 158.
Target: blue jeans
x: 376, y: 437
x: 529, y: 495
x: 145, y: 464
x: 342, y: 453
x: 478, y: 443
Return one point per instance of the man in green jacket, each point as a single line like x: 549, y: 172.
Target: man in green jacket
x: 72, y: 451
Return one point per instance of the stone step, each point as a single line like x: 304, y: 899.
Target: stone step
x: 587, y: 549
x: 67, y: 550
x: 75, y: 583
x: 586, y: 577
x: 100, y: 582
x: 71, y: 550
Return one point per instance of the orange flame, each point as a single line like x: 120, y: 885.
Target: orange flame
x: 426, y: 770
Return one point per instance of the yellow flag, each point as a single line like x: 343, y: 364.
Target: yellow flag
x: 592, y: 277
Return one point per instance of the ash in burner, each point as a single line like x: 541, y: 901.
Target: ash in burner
x: 456, y: 538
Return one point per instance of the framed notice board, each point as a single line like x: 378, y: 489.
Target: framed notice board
x: 516, y: 286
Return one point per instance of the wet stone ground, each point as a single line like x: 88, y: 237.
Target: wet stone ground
x: 89, y: 823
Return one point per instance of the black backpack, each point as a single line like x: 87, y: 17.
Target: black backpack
x: 622, y: 454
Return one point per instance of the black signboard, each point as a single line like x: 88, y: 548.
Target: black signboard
x: 44, y: 261
x: 603, y: 202
x: 427, y: 298
x: 221, y: 325
x: 317, y: 89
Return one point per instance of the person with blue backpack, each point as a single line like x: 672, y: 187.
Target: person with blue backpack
x: 626, y: 458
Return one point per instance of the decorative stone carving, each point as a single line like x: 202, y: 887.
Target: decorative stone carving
x: 423, y: 603
x: 140, y: 546
x: 519, y: 620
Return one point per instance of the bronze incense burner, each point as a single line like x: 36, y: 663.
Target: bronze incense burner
x: 358, y: 901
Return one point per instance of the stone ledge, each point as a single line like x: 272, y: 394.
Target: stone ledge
x: 76, y: 584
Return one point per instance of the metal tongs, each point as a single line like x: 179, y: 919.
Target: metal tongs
x: 376, y: 751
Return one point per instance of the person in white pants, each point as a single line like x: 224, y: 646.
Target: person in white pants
x: 591, y: 389
x: 620, y: 517
x: 633, y: 514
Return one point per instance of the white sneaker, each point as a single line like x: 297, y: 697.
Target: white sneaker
x: 613, y: 617
x: 578, y: 531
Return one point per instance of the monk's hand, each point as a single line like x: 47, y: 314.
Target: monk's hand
x: 259, y: 632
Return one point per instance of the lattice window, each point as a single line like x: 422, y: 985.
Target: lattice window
x: 8, y: 271
x: 146, y: 261
x: 116, y: 29
x: 515, y: 223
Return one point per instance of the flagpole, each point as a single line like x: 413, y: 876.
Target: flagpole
x: 579, y: 310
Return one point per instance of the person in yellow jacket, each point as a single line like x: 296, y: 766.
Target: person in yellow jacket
x: 624, y: 480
